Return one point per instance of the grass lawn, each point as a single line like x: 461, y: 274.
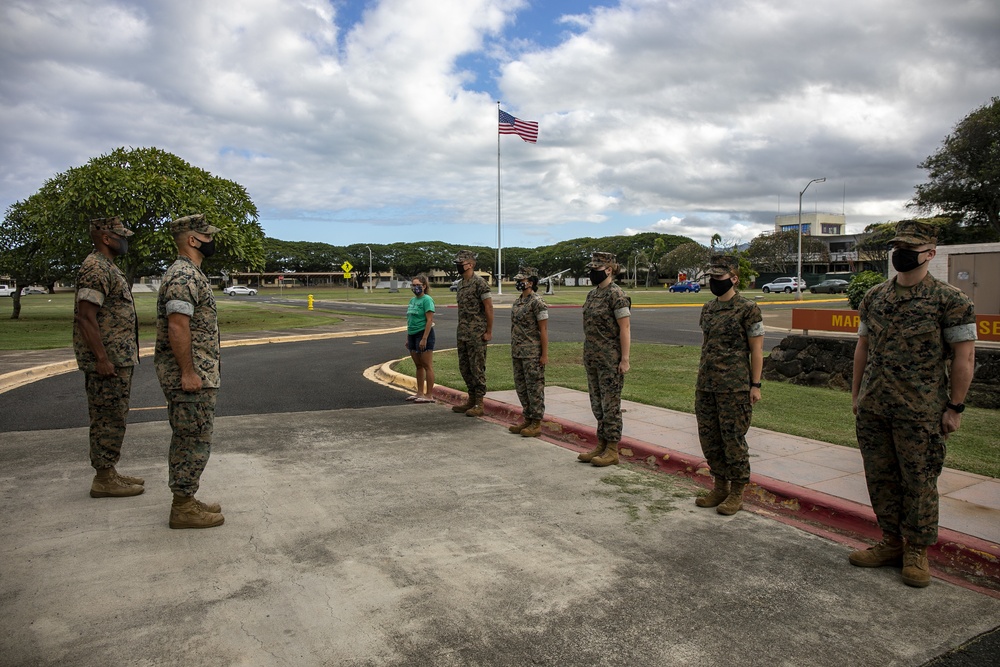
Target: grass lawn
x: 47, y: 319
x: 664, y: 375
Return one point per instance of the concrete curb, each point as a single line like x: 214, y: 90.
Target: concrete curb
x: 961, y: 559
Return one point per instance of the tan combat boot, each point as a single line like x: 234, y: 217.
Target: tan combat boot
x: 517, y: 428
x: 716, y: 495
x: 734, y: 501
x: 186, y: 512
x: 887, y: 552
x: 476, y: 410
x: 469, y: 402
x: 916, y: 571
x: 126, y: 479
x: 214, y: 508
x: 587, y: 457
x: 107, y: 484
x: 533, y: 429
x: 609, y: 457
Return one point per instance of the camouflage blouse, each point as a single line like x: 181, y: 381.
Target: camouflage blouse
x: 909, y: 343
x: 101, y: 282
x: 525, y: 338
x: 601, y: 311
x: 186, y: 290
x: 727, y: 327
x: 471, y: 295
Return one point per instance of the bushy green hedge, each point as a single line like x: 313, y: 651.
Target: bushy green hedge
x: 860, y: 284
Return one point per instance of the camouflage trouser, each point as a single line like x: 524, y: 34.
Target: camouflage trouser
x: 605, y: 383
x: 107, y: 400
x: 903, y: 460
x: 192, y: 418
x: 723, y: 422
x: 472, y: 366
x: 529, y: 381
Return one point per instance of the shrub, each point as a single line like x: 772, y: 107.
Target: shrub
x: 860, y: 284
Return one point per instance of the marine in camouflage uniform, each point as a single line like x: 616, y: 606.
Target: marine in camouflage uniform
x: 475, y: 329
x: 907, y: 400
x: 529, y: 351
x: 189, y: 378
x: 728, y: 383
x: 606, y: 347
x: 106, y: 344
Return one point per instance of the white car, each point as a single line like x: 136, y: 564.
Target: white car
x: 239, y: 289
x: 7, y: 290
x: 787, y: 285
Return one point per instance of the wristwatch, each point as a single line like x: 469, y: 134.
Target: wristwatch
x: 960, y: 408
x: 757, y: 384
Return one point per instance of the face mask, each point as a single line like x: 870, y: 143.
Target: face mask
x: 521, y: 285
x: 719, y: 287
x: 904, y: 259
x: 460, y: 267
x: 417, y: 289
x: 597, y: 276
x: 122, y: 246
x: 207, y: 248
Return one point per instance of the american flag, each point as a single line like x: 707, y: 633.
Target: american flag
x: 526, y: 129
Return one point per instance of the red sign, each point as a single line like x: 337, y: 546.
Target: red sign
x: 280, y: 278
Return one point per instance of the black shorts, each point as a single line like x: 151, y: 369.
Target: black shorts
x: 414, y: 341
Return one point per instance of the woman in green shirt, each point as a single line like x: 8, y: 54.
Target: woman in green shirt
x: 420, y: 337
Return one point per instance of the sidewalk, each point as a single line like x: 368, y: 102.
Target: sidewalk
x: 816, y: 485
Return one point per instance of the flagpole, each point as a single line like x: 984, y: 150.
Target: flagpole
x: 499, y: 245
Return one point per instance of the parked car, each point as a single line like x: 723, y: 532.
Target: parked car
x: 685, y: 286
x: 834, y: 286
x: 7, y: 290
x: 239, y: 289
x: 25, y: 291
x: 787, y: 285
x: 454, y: 285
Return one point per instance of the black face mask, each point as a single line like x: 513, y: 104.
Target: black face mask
x: 904, y: 259
x: 719, y: 287
x: 207, y: 248
x: 521, y: 285
x: 122, y: 247
x: 597, y: 276
x: 460, y: 267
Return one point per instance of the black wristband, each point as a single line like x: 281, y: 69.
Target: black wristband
x: 960, y: 408
x: 755, y: 384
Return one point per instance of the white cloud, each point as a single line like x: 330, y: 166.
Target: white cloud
x: 702, y: 114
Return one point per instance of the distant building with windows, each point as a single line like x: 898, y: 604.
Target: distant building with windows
x: 840, y: 257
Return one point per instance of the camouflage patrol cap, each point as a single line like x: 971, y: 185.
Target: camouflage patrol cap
x: 720, y: 265
x: 599, y: 260
x: 113, y: 225
x: 192, y: 223
x: 912, y: 232
x: 525, y: 272
x: 465, y: 256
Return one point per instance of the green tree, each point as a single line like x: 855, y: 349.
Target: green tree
x: 859, y: 286
x: 690, y: 258
x: 779, y: 251
x: 964, y: 174
x: 147, y: 187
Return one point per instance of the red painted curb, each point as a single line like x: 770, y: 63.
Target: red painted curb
x: 961, y: 559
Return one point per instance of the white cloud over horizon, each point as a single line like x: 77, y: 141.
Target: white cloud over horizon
x: 369, y: 121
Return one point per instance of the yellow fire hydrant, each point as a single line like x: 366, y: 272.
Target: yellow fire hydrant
x: 310, y: 302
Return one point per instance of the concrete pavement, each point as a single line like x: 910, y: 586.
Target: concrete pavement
x: 411, y: 535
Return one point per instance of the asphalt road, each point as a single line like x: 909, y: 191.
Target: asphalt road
x: 314, y: 375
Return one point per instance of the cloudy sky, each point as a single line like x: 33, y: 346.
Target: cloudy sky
x: 354, y: 121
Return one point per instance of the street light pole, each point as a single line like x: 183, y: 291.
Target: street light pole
x: 369, y: 269
x: 798, y: 287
